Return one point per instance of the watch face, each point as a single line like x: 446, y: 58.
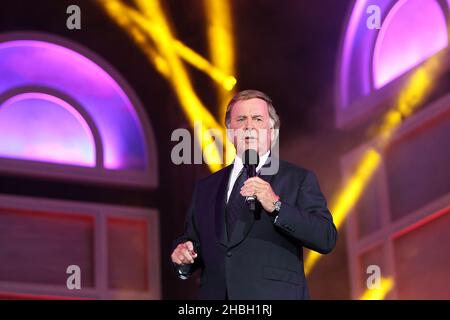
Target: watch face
x: 277, y: 206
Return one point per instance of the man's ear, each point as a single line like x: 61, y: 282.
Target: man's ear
x: 272, y: 134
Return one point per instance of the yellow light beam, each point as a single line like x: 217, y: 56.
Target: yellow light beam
x: 410, y: 98
x: 181, y: 84
x: 379, y: 293
x: 116, y: 10
x: 348, y: 197
x: 177, y: 76
x: 132, y: 20
x: 157, y: 28
x: 223, y: 80
x: 221, y: 46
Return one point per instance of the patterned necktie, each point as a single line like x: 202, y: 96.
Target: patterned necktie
x: 236, y: 203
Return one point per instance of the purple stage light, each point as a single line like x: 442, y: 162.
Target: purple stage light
x: 373, y: 56
x: 28, y: 63
x: 412, y: 32
x: 41, y: 127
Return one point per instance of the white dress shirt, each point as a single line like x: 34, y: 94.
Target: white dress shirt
x: 237, y: 167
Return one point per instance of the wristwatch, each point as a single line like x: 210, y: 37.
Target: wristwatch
x: 277, y: 205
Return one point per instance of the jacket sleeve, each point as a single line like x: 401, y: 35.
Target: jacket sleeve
x: 309, y: 219
x: 190, y: 234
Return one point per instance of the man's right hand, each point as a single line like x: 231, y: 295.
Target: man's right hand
x: 184, y: 253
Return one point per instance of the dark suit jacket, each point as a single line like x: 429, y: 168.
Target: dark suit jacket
x: 264, y: 257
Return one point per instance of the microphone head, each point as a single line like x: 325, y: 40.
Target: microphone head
x: 250, y: 158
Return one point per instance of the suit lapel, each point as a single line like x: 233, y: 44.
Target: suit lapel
x: 220, y: 206
x: 245, y: 223
x: 267, y: 178
x: 242, y: 228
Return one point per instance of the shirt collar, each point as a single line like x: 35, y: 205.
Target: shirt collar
x: 238, y: 165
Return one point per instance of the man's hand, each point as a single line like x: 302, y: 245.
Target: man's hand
x: 184, y: 253
x: 256, y: 186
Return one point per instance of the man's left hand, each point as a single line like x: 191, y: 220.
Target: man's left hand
x: 256, y: 186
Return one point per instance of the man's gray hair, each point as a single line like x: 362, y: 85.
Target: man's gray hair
x: 251, y: 94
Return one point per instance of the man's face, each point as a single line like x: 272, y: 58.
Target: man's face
x: 250, y: 126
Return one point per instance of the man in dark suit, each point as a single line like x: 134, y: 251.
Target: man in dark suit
x: 245, y: 254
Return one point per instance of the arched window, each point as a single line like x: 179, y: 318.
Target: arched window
x: 66, y: 114
x: 411, y: 32
x: 62, y: 105
x: 403, y: 214
x: 42, y: 127
x: 372, y: 62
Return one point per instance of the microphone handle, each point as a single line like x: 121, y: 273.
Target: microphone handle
x: 251, y: 201
x: 251, y: 171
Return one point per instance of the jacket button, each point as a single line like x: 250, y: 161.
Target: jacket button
x: 229, y: 254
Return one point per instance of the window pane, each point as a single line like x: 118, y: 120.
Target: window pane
x: 128, y: 254
x: 41, y: 127
x: 412, y: 32
x: 37, y: 247
x: 368, y: 209
x: 418, y: 168
x: 422, y: 263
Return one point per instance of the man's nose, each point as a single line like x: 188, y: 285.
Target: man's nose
x: 249, y: 125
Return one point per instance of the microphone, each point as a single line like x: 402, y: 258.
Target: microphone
x: 250, y: 159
